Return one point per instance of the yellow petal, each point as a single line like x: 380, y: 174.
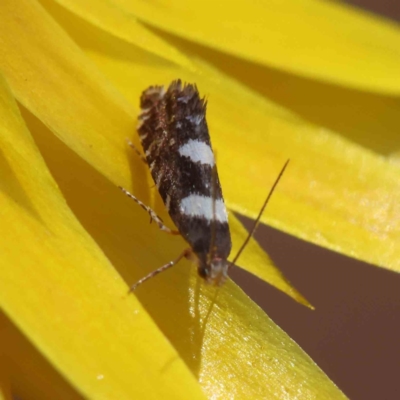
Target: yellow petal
x: 227, y: 339
x: 125, y: 26
x: 97, y: 336
x: 82, y: 288
x: 317, y: 39
x: 318, y: 210
x: 31, y: 376
x: 55, y: 81
x: 334, y: 193
x: 65, y: 73
x: 62, y: 292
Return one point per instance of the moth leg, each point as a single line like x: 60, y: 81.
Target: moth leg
x: 186, y: 253
x: 137, y: 151
x: 153, y: 216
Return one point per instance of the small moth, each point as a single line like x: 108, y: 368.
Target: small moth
x: 174, y: 135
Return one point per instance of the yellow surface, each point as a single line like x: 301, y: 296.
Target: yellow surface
x: 317, y: 39
x: 61, y: 291
x: 335, y: 193
x: 58, y: 287
x: 56, y: 83
x: 32, y: 376
x: 125, y: 26
x: 62, y: 259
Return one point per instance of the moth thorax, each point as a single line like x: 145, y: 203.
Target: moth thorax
x: 215, y: 271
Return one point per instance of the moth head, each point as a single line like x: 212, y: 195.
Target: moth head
x: 215, y: 271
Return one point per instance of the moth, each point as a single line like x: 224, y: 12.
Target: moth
x: 177, y: 149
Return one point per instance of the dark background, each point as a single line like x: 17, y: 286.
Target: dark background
x: 387, y: 8
x: 354, y: 333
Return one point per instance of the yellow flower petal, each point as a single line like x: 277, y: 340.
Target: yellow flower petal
x: 62, y: 292
x: 27, y: 35
x: 125, y: 26
x: 47, y: 77
x: 100, y: 338
x: 317, y: 39
x: 334, y: 193
x: 31, y: 376
x: 87, y: 327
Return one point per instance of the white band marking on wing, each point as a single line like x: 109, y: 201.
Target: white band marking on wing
x: 202, y: 206
x: 198, y: 152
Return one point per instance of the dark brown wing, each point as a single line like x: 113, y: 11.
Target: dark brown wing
x: 175, y: 138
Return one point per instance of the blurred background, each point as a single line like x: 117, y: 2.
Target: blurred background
x: 354, y: 333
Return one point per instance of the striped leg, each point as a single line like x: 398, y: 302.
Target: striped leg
x: 153, y: 216
x: 186, y: 253
x: 137, y: 151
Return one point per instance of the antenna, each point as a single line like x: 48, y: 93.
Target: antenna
x: 256, y: 222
